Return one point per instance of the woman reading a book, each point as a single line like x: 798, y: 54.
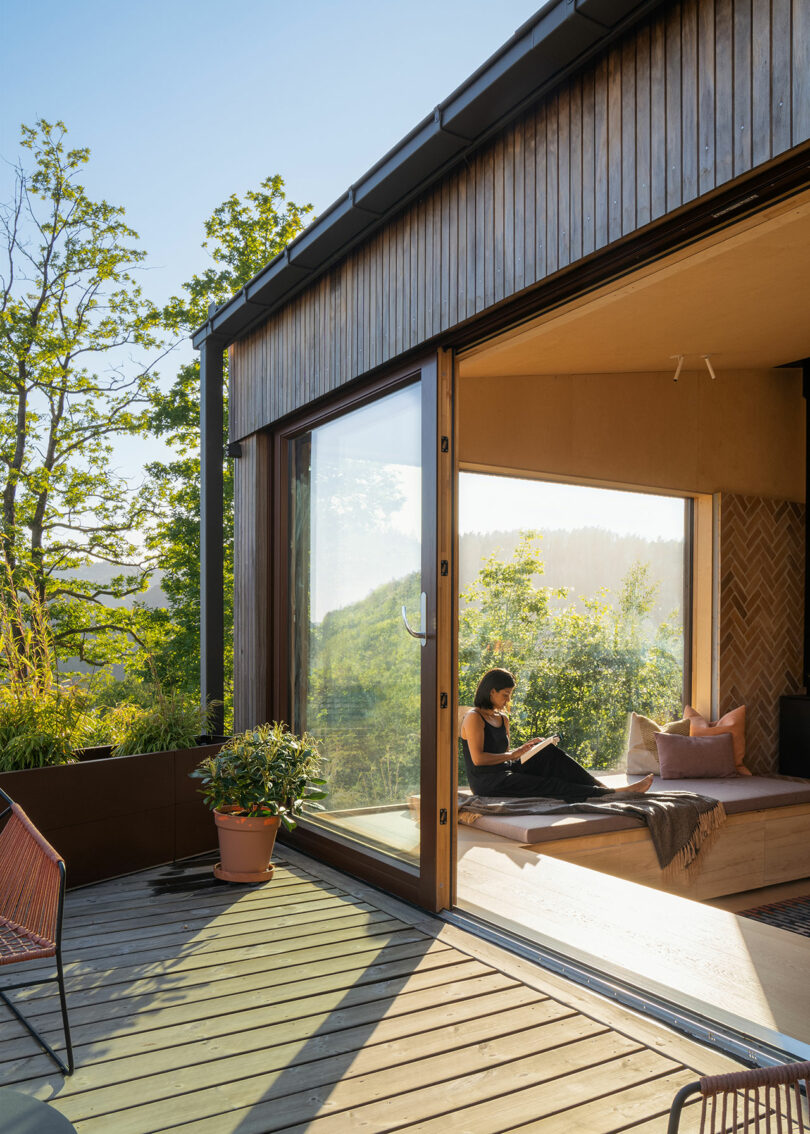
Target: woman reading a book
x: 493, y: 768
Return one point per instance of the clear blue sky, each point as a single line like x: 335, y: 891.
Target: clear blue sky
x: 184, y: 102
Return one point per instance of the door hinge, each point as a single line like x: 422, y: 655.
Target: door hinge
x: 443, y: 700
x: 445, y: 444
x: 445, y: 567
x: 443, y: 817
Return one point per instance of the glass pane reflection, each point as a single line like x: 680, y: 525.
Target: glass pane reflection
x: 355, y: 545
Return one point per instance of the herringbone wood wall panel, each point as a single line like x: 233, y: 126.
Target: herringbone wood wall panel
x: 761, y: 616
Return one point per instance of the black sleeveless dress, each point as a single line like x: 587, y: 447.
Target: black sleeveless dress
x: 551, y: 774
x: 483, y: 780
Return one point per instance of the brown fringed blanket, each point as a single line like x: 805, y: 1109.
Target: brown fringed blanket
x: 679, y: 822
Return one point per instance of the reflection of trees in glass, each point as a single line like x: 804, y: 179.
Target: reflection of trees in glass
x: 357, y: 492
x: 364, y: 698
x: 355, y: 545
x: 580, y: 669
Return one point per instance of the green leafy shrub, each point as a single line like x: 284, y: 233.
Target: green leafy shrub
x: 40, y: 719
x: 36, y: 731
x: 266, y: 770
x: 172, y: 720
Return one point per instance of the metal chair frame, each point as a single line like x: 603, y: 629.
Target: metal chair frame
x: 40, y: 946
x: 786, y: 1075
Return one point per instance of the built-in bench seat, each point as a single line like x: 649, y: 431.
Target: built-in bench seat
x: 765, y: 840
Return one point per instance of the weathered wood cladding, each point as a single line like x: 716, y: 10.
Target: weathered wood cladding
x: 251, y: 600
x: 698, y: 94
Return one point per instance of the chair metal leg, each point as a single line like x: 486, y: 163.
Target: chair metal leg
x: 678, y: 1104
x: 63, y: 1002
x: 65, y: 1068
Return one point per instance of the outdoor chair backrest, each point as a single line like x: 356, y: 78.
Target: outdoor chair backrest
x: 764, y: 1100
x: 30, y: 886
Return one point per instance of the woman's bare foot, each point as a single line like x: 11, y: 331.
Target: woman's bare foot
x: 638, y: 786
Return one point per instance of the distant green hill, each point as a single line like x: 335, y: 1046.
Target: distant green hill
x: 586, y: 559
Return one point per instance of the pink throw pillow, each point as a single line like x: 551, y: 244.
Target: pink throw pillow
x: 695, y: 757
x: 733, y: 723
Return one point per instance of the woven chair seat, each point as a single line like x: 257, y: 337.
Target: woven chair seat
x: 32, y: 892
x: 19, y: 944
x: 762, y: 1100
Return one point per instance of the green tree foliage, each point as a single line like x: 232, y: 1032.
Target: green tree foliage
x: 579, y: 671
x: 242, y: 236
x: 580, y: 668
x: 364, y: 700
x: 74, y: 327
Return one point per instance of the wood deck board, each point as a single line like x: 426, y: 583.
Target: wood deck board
x: 364, y: 1070
x: 341, y: 1009
x: 210, y: 923
x: 272, y: 1043
x: 193, y: 968
x: 292, y: 987
x: 307, y: 1004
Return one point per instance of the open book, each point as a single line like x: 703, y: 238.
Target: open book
x: 535, y: 748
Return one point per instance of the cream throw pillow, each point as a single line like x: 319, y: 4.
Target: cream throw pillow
x: 642, y: 753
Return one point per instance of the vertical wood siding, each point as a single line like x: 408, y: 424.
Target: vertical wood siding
x: 251, y: 573
x: 700, y: 93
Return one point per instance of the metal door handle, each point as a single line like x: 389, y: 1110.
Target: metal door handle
x: 420, y: 634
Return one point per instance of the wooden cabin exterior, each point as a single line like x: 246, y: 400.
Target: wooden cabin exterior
x: 620, y: 184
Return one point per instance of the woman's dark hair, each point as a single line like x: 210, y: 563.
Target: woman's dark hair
x: 493, y: 679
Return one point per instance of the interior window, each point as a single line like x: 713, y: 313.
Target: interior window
x: 579, y: 592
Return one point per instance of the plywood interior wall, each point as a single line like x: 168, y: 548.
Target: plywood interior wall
x: 743, y: 433
x: 741, y: 436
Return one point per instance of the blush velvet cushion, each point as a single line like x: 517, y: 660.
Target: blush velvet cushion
x: 695, y: 757
x: 733, y: 724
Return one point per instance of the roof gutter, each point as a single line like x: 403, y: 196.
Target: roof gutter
x: 552, y: 43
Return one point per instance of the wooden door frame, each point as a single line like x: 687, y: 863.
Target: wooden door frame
x: 430, y: 887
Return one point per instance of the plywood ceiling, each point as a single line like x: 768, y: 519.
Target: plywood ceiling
x: 743, y: 298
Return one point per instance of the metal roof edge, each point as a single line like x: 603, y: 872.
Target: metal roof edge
x: 540, y: 52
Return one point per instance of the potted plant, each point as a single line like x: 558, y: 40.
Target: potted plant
x: 260, y: 779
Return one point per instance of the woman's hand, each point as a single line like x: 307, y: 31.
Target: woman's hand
x: 518, y: 752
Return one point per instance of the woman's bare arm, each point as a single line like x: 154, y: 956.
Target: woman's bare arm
x: 472, y: 730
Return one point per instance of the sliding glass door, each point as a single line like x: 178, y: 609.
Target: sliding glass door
x: 361, y: 624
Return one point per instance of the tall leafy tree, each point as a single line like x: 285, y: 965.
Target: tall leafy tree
x: 242, y: 236
x: 581, y: 668
x: 75, y: 329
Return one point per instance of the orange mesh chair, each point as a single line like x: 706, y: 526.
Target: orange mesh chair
x: 32, y: 895
x: 763, y: 1100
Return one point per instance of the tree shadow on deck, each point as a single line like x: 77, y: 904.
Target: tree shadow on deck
x: 235, y: 996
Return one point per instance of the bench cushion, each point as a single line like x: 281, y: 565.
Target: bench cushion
x: 743, y: 793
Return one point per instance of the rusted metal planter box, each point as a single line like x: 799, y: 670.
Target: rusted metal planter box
x: 109, y: 816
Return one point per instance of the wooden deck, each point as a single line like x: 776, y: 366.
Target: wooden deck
x: 313, y: 1003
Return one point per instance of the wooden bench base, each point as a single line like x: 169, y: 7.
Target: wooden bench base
x: 752, y: 849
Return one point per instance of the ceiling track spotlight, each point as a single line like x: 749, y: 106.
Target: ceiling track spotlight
x: 709, y: 367
x: 679, y: 367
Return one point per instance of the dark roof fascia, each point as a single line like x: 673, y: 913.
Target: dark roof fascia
x: 547, y: 47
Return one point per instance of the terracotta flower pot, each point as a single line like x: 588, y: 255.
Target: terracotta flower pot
x: 245, y: 846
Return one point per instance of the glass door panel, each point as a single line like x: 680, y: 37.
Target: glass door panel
x: 355, y: 527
